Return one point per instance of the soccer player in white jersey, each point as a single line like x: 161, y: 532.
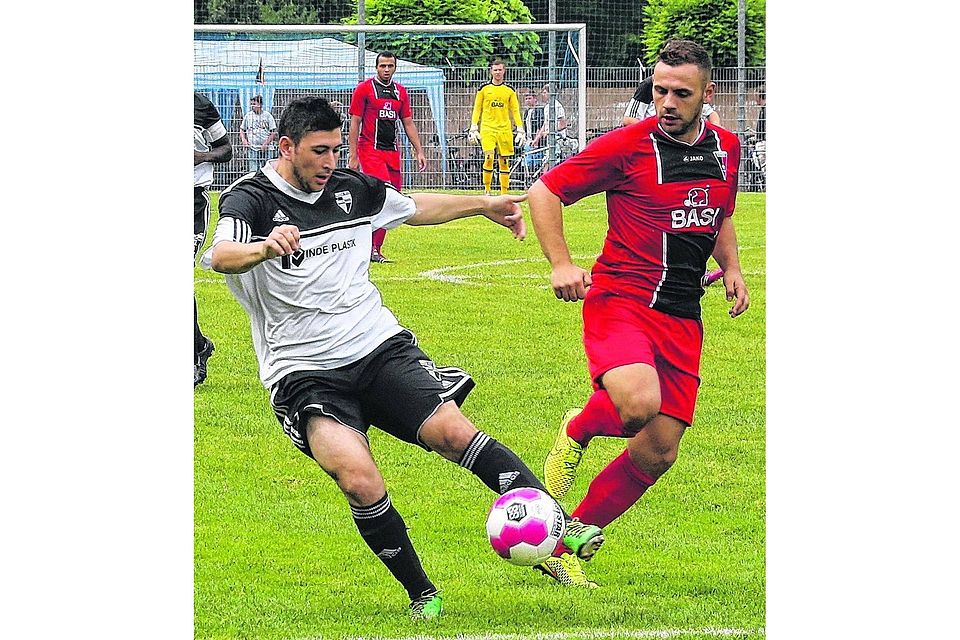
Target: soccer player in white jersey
x: 295, y: 239
x: 210, y: 146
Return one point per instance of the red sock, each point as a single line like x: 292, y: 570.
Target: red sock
x: 613, y: 491
x: 378, y: 237
x: 598, y: 418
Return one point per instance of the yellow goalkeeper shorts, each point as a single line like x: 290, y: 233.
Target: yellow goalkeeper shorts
x: 499, y: 139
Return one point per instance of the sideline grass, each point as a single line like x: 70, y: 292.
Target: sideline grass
x: 277, y: 555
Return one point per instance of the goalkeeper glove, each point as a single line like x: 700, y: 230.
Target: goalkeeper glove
x: 474, y: 134
x: 520, y: 138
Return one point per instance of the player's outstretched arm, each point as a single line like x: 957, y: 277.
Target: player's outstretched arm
x: 437, y: 208
x: 725, y: 253
x: 238, y: 257
x: 569, y: 281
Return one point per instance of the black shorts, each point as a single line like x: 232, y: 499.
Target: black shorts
x: 201, y: 216
x: 396, y: 388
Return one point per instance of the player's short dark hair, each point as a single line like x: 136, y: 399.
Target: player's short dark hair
x: 386, y: 54
x: 306, y: 115
x: 497, y: 61
x: 257, y: 99
x: 677, y: 52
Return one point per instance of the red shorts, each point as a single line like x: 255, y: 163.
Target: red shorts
x: 618, y: 331
x: 381, y: 164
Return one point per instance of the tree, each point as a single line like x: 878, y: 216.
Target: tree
x: 269, y: 11
x: 711, y: 23
x: 516, y: 49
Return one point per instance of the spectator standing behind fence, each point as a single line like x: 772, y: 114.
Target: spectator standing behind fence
x: 551, y: 109
x: 377, y: 104
x: 490, y: 125
x: 211, y: 145
x: 641, y: 106
x: 257, y: 133
x: 761, y: 146
x: 532, y: 124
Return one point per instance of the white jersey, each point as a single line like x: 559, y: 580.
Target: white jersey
x: 316, y: 309
x: 207, y: 129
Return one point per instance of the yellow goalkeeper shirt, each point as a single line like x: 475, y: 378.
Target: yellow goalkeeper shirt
x: 493, y: 107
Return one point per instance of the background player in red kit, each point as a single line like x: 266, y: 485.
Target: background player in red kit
x: 671, y: 186
x: 376, y: 106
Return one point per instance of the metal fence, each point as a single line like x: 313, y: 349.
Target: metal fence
x: 456, y: 164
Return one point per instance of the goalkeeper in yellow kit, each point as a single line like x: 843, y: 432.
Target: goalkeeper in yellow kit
x: 490, y: 125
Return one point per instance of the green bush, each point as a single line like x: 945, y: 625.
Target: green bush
x: 712, y: 23
x: 516, y: 49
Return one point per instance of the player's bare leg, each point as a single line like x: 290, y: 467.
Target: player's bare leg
x: 345, y: 455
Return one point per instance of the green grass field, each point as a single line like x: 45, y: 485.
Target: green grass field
x: 277, y: 554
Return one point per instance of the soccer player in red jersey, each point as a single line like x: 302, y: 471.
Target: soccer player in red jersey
x: 377, y: 104
x: 671, y: 186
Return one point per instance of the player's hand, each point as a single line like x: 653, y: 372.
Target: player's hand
x: 505, y: 210
x: 282, y: 241
x: 474, y: 135
x: 353, y: 162
x: 421, y: 161
x: 570, y: 282
x: 736, y: 292
x: 521, y: 138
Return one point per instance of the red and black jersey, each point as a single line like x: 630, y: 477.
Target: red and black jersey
x: 379, y: 107
x: 666, y: 200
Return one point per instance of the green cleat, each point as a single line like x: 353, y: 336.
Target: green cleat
x: 560, y: 466
x: 426, y: 607
x: 567, y: 571
x: 582, y: 539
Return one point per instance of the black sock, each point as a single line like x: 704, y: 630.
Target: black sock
x: 384, y: 531
x: 199, y: 340
x: 497, y: 466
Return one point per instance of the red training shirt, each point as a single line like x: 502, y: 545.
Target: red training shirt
x: 379, y: 107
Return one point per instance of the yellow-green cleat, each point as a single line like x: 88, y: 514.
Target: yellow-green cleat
x: 426, y: 607
x: 582, y: 539
x: 567, y: 571
x: 560, y: 466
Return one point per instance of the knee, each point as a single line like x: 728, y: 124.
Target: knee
x: 448, y: 432
x: 638, y: 409
x: 360, y: 486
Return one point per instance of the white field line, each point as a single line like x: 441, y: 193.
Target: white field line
x: 450, y: 275
x: 587, y: 634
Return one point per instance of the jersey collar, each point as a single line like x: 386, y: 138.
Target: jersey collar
x: 287, y: 188
x: 678, y: 141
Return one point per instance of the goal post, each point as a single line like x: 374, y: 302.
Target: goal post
x: 280, y: 62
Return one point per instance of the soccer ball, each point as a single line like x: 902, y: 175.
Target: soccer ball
x: 524, y: 526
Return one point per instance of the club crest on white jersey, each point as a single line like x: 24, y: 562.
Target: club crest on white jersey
x: 344, y: 200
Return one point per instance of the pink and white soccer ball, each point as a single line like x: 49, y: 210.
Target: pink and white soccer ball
x: 524, y: 526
